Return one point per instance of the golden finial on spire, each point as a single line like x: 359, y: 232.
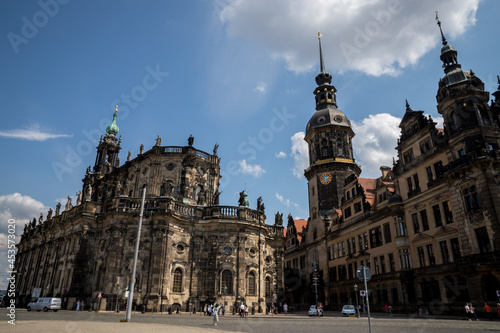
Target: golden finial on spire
x: 319, y: 35
x: 116, y: 109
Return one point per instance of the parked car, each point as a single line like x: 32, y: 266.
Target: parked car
x: 313, y: 311
x: 45, y: 304
x: 348, y: 310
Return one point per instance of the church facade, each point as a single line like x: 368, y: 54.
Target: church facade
x: 192, y: 250
x: 428, y: 228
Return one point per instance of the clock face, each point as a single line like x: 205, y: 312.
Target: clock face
x: 325, y: 178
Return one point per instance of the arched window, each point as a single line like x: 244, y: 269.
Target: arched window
x: 315, y: 234
x: 251, y: 284
x: 177, y: 284
x: 227, y: 282
x: 268, y: 287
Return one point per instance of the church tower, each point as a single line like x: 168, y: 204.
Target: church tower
x: 108, y: 149
x: 329, y: 138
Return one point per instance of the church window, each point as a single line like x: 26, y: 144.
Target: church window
x: 268, y: 287
x: 251, y: 283
x: 315, y: 234
x: 227, y: 282
x: 177, y: 284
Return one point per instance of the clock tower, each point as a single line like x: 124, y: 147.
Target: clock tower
x: 329, y: 138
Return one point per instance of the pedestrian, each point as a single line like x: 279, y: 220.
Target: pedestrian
x: 498, y: 312
x: 468, y: 311
x: 390, y: 310
x: 223, y: 308
x: 285, y: 308
x: 272, y: 308
x: 473, y: 311
x: 83, y: 305
x: 242, y: 310
x: 365, y: 307
x: 487, y: 308
x: 205, y: 310
x: 246, y: 311
x: 210, y: 309
x: 359, y: 309
x: 386, y: 308
x: 420, y: 310
x: 78, y: 305
x: 215, y: 313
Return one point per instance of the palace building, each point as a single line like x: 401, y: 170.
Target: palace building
x: 192, y: 250
x: 428, y: 228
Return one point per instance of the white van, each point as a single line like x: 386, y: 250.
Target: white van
x: 45, y: 304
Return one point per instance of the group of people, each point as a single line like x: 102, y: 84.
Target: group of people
x: 243, y: 310
x: 388, y: 309
x: 80, y: 305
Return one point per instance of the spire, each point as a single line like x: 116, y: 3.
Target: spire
x: 408, y: 108
x: 442, y: 35
x: 448, y: 53
x: 112, y: 129
x: 322, y: 64
x: 323, y: 78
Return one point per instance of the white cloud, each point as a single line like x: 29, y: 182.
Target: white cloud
x: 375, y: 37
x: 281, y: 154
x: 251, y: 169
x: 21, y: 209
x: 286, y: 202
x: 374, y: 143
x: 300, y: 154
x: 261, y: 87
x: 32, y: 133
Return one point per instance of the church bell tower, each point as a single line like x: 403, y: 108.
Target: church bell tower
x: 329, y: 138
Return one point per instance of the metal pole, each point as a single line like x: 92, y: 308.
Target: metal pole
x: 367, y: 300
x: 134, y: 265
x: 357, y: 306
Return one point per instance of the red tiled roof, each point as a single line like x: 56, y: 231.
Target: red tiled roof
x: 299, y: 225
x: 369, y: 185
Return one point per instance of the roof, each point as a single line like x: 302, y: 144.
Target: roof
x: 299, y: 225
x: 369, y: 186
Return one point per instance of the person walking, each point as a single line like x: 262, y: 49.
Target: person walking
x: 285, y: 308
x: 205, y: 310
x: 473, y: 311
x: 386, y: 308
x: 487, y: 308
x: 215, y: 313
x: 390, y: 310
x: 78, y: 305
x: 468, y: 311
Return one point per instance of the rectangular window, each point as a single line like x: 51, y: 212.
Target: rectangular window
x: 360, y: 242
x: 483, y: 241
x: 408, y: 156
x: 295, y: 263
x: 288, y: 264
x: 343, y: 249
x: 329, y: 252
x: 347, y: 212
x: 402, y: 228
x: 392, y: 264
x: 425, y: 221
x: 448, y: 215
x: 376, y: 264
x: 382, y: 264
x: 376, y: 237
x: 333, y: 273
x: 357, y: 207
x: 455, y: 248
x: 421, y: 256
x: 348, y: 247
x: 471, y: 199
x: 461, y: 153
x: 430, y: 175
x: 404, y: 258
x: 416, y: 182
x: 365, y: 239
x: 430, y: 254
x: 302, y: 262
x: 437, y: 216
x: 416, y: 225
x: 445, y: 255
x: 410, y: 184
x: 353, y: 242
x: 350, y: 271
x: 387, y: 233
x: 339, y: 250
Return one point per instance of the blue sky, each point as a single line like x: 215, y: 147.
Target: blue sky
x: 236, y: 73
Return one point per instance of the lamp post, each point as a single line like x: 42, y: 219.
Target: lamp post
x: 356, y: 292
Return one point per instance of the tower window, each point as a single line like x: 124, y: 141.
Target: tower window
x: 177, y: 284
x: 471, y: 199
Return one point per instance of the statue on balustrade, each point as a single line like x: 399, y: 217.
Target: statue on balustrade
x: 278, y: 219
x: 49, y: 214
x: 216, y: 197
x: 58, y: 208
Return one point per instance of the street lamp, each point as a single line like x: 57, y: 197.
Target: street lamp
x: 356, y: 292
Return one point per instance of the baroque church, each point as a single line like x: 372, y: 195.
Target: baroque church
x: 428, y: 228
x: 192, y: 250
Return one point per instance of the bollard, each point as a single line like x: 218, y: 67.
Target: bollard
x: 253, y: 310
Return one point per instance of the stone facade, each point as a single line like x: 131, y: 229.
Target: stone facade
x: 192, y: 250
x: 428, y: 228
